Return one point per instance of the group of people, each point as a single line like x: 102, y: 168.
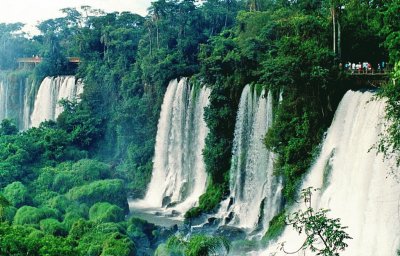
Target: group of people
x: 364, y: 67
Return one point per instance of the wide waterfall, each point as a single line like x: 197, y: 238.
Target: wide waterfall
x: 255, y: 192
x: 179, y: 176
x: 354, y: 181
x: 51, y: 91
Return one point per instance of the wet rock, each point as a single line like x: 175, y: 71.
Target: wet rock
x: 231, y: 201
x: 174, y: 213
x: 229, y: 217
x: 166, y: 201
x: 172, y: 204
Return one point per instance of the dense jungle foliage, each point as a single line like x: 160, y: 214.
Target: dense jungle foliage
x: 64, y: 186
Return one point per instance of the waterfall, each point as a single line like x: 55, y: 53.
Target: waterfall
x: 14, y: 102
x: 29, y: 98
x: 255, y: 191
x: 354, y: 180
x: 179, y: 176
x: 4, y: 96
x: 50, y: 92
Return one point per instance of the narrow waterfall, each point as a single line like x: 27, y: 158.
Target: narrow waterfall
x: 179, y: 176
x: 50, y: 92
x: 354, y: 181
x: 4, y: 96
x: 255, y: 191
x: 14, y: 100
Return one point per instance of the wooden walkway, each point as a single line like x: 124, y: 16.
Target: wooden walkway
x: 369, y: 73
x: 370, y: 78
x: 36, y: 60
x: 30, y: 63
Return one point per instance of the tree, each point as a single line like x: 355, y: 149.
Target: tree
x: 324, y: 235
x: 14, y: 44
x: 7, y: 127
x: 389, y: 142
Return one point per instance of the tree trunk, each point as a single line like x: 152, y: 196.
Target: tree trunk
x: 150, y: 41
x: 158, y: 42
x: 334, y: 27
x: 339, y: 47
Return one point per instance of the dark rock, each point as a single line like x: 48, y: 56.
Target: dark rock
x: 231, y: 201
x: 229, y: 217
x: 166, y: 200
x: 212, y: 223
x: 173, y: 213
x: 172, y: 204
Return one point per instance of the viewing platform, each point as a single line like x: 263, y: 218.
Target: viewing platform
x: 383, y: 73
x: 371, y: 77
x: 23, y: 62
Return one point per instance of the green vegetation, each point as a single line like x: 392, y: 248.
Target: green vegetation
x: 198, y: 245
x: 276, y: 227
x: 390, y: 139
x: 318, y: 228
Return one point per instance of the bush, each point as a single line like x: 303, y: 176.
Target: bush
x: 276, y: 227
x: 207, y: 202
x: 64, y: 181
x: 90, y: 170
x: 33, y: 215
x: 118, y: 245
x: 106, y: 212
x: 16, y: 193
x: 53, y: 227
x: 111, y: 191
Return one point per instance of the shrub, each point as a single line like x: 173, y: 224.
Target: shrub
x: 106, y: 212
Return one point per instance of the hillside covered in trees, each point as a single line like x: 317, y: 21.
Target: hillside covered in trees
x: 64, y: 186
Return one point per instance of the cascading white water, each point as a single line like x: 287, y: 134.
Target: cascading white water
x: 51, y: 91
x: 354, y: 181
x: 27, y: 105
x: 14, y: 104
x: 179, y: 176
x: 255, y: 191
x: 4, y: 96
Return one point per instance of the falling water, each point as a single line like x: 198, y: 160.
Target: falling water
x: 4, y: 96
x: 179, y: 176
x: 354, y: 180
x: 255, y: 191
x: 14, y: 103
x: 51, y: 91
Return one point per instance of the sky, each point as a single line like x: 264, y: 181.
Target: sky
x: 31, y: 12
